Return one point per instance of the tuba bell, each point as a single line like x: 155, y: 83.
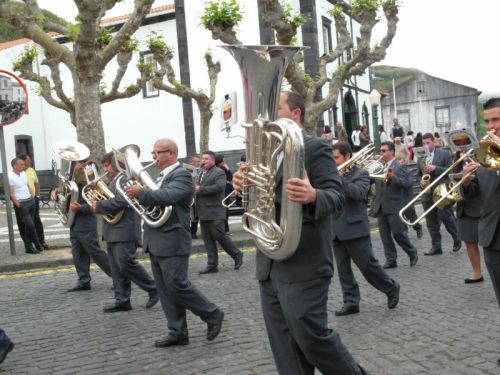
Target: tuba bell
x: 132, y: 171
x: 67, y: 192
x: 96, y: 190
x: 268, y: 141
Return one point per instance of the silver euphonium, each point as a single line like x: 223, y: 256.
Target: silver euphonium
x: 132, y: 171
x: 271, y: 144
x: 69, y: 152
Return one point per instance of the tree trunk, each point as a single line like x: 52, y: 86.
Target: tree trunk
x: 205, y: 117
x: 89, y: 129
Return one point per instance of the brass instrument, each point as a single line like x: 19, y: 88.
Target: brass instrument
x: 69, y: 152
x: 486, y: 153
x: 132, y: 171
x: 262, y: 69
x: 96, y: 190
x: 421, y: 152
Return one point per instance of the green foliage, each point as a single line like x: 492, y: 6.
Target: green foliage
x: 130, y: 45
x: 359, y: 6
x: 292, y: 16
x: 74, y: 31
x: 336, y: 11
x: 156, y: 42
x: 8, y: 32
x: 142, y: 65
x: 27, y: 56
x: 382, y: 76
x: 339, y: 72
x: 104, y: 37
x: 223, y: 13
x: 103, y: 88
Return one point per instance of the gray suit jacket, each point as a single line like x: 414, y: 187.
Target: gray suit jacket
x: 442, y: 160
x: 487, y: 186
x: 390, y: 197
x: 314, y: 256
x: 128, y: 228
x: 353, y: 222
x: 173, y: 238
x: 209, y: 198
x: 85, y: 220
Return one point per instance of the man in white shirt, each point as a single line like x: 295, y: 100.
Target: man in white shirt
x: 356, y: 140
x: 24, y: 206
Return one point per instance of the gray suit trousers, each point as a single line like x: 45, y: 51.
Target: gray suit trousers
x: 84, y: 246
x: 391, y: 224
x: 492, y: 261
x: 297, y: 325
x: 434, y: 219
x: 125, y: 268
x: 360, y: 251
x: 177, y: 294
x: 213, y: 231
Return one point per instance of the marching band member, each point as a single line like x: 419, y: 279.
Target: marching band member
x: 435, y: 164
x: 121, y: 238
x: 390, y: 197
x: 169, y: 247
x: 351, y: 239
x: 294, y: 292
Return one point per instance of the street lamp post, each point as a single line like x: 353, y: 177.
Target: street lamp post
x: 374, y: 99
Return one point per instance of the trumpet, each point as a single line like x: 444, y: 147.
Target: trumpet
x: 486, y: 152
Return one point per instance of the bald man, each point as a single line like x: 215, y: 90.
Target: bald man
x: 169, y: 247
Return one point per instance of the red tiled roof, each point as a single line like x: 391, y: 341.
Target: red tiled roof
x: 109, y: 21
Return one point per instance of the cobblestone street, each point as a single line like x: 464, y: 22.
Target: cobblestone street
x: 441, y: 325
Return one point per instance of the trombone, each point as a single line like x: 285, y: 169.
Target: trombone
x: 487, y: 153
x: 365, y: 160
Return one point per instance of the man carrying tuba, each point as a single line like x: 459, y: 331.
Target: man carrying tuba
x: 294, y: 292
x: 121, y: 238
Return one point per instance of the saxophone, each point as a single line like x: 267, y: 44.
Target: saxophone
x: 268, y: 141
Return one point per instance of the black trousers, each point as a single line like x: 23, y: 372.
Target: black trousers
x: 38, y: 221
x: 492, y: 261
x: 25, y: 215
x: 296, y: 320
x: 213, y: 232
x: 390, y: 225
x: 434, y: 219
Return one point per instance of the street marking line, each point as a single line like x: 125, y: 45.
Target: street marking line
x: 93, y: 266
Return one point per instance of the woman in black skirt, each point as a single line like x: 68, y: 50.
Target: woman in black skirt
x: 468, y: 213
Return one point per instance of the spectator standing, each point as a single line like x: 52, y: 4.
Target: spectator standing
x: 327, y: 134
x: 341, y: 132
x: 382, y: 134
x: 409, y: 142
x: 364, y: 137
x: 402, y: 152
x: 24, y: 206
x: 438, y: 142
x: 356, y: 139
x: 419, y: 141
x: 35, y: 191
x: 397, y: 129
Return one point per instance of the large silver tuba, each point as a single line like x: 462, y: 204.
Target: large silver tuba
x: 268, y: 142
x: 67, y: 192
x: 132, y: 171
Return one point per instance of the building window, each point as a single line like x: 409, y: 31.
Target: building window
x: 443, y: 118
x: 149, y: 91
x: 327, y: 35
x: 404, y: 119
x: 420, y: 88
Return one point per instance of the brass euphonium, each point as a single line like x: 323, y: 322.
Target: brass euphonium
x: 132, y: 171
x: 69, y: 152
x: 262, y: 69
x: 96, y: 190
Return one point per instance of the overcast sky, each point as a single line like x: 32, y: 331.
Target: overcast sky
x: 450, y: 39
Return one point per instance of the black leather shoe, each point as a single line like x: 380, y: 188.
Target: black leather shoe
x: 153, y: 300
x: 79, y: 288
x: 390, y: 265
x: 393, y: 300
x: 171, y: 341
x: 45, y: 246
x: 194, y: 236
x: 434, y: 252
x: 457, y: 246
x: 32, y: 251
x: 5, y: 351
x: 238, y: 261
x: 472, y: 281
x: 39, y: 247
x: 347, y: 310
x: 420, y: 233
x: 213, y: 329
x: 413, y: 261
x: 117, y: 307
x: 209, y: 270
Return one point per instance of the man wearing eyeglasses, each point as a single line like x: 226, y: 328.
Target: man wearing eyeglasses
x: 169, y: 247
x: 390, y: 197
